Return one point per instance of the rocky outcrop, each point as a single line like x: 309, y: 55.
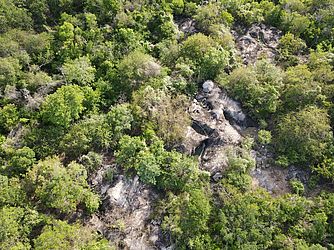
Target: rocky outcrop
x: 126, y: 208
x: 257, y: 41
x: 215, y: 133
x: 219, y: 125
x: 187, y: 26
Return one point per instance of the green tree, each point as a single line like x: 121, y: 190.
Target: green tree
x: 165, y: 112
x: 206, y: 56
x: 257, y: 87
x: 187, y: 217
x: 20, y: 161
x: 9, y: 117
x: 300, y: 89
x: 119, y: 120
x: 61, y: 188
x: 11, y: 192
x: 60, y: 235
x: 10, y: 71
x: 290, y: 47
x: 63, y: 107
x: 16, y: 226
x: 305, y: 136
x: 79, y: 71
x: 134, y: 69
x: 91, y: 133
x: 13, y: 16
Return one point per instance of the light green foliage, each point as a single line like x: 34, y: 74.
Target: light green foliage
x: 295, y: 22
x: 76, y: 36
x: 11, y: 192
x: 206, y: 57
x: 16, y: 224
x: 119, y: 120
x: 212, y: 14
x: 130, y: 70
x: 245, y: 219
x: 297, y: 187
x: 257, y: 87
x: 154, y: 165
x: 321, y: 65
x: 34, y: 80
x: 9, y: 71
x: 325, y: 169
x: 20, y: 161
x: 240, y: 162
x: 264, y: 136
x: 63, y: 107
x: 305, y: 136
x: 300, y: 88
x: 60, y: 235
x: 59, y: 187
x: 9, y: 117
x: 79, y: 71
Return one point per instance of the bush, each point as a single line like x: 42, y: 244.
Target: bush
x: 61, y: 235
x: 297, y: 187
x: 264, y: 137
x: 257, y: 87
x: 304, y: 137
x: 60, y: 188
x: 79, y: 71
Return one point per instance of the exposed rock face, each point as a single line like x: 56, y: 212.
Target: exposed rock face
x: 126, y: 208
x: 217, y: 133
x: 29, y: 100
x: 187, y: 26
x: 219, y: 125
x: 257, y: 41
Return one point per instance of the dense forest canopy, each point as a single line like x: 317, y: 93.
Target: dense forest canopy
x: 97, y: 94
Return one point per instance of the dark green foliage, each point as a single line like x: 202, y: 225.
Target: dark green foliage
x: 12, y: 16
x: 89, y: 134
